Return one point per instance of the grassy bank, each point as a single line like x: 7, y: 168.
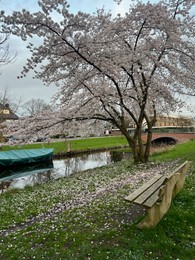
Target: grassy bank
x: 85, y: 216
x: 79, y: 144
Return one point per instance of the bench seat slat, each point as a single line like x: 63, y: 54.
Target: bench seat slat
x: 142, y: 189
x: 150, y: 191
x: 152, y: 199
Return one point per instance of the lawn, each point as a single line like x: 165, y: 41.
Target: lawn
x: 85, y: 216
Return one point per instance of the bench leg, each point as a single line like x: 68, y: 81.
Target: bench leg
x: 181, y: 179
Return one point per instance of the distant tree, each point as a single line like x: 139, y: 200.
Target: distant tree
x: 4, y: 49
x: 36, y: 106
x: 4, y: 60
x: 111, y: 69
x: 4, y: 46
x: 7, y: 98
x: 185, y: 121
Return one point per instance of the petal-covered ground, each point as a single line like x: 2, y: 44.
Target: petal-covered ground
x: 46, y: 201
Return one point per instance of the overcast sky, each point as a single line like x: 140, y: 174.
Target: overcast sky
x: 28, y: 87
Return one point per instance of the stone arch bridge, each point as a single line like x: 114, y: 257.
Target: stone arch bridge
x: 170, y: 138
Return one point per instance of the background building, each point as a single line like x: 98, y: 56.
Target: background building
x: 166, y: 124
x: 6, y: 114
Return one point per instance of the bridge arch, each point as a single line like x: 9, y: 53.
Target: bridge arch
x: 164, y: 140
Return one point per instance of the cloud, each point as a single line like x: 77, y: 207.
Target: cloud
x: 26, y: 88
x: 121, y: 8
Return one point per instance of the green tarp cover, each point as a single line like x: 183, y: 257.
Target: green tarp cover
x: 28, y: 156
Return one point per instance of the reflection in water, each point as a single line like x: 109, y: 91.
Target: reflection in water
x: 116, y: 156
x: 23, y: 176
x: 17, y: 172
x: 59, y: 169
x: 70, y: 165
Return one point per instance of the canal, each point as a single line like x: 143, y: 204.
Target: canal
x: 29, y: 176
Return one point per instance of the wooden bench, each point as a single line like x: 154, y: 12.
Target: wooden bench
x: 156, y: 195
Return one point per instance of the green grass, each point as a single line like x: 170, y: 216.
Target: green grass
x: 99, y: 229
x: 184, y: 151
x: 80, y: 144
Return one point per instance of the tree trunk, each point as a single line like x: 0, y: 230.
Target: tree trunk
x: 138, y: 148
x: 148, y: 143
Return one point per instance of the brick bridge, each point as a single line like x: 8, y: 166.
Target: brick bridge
x: 170, y: 137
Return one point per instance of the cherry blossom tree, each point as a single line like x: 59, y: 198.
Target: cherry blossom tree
x: 110, y: 68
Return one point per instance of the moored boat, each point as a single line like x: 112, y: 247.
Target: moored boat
x: 14, y: 158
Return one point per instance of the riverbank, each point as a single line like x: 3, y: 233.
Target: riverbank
x: 85, y: 216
